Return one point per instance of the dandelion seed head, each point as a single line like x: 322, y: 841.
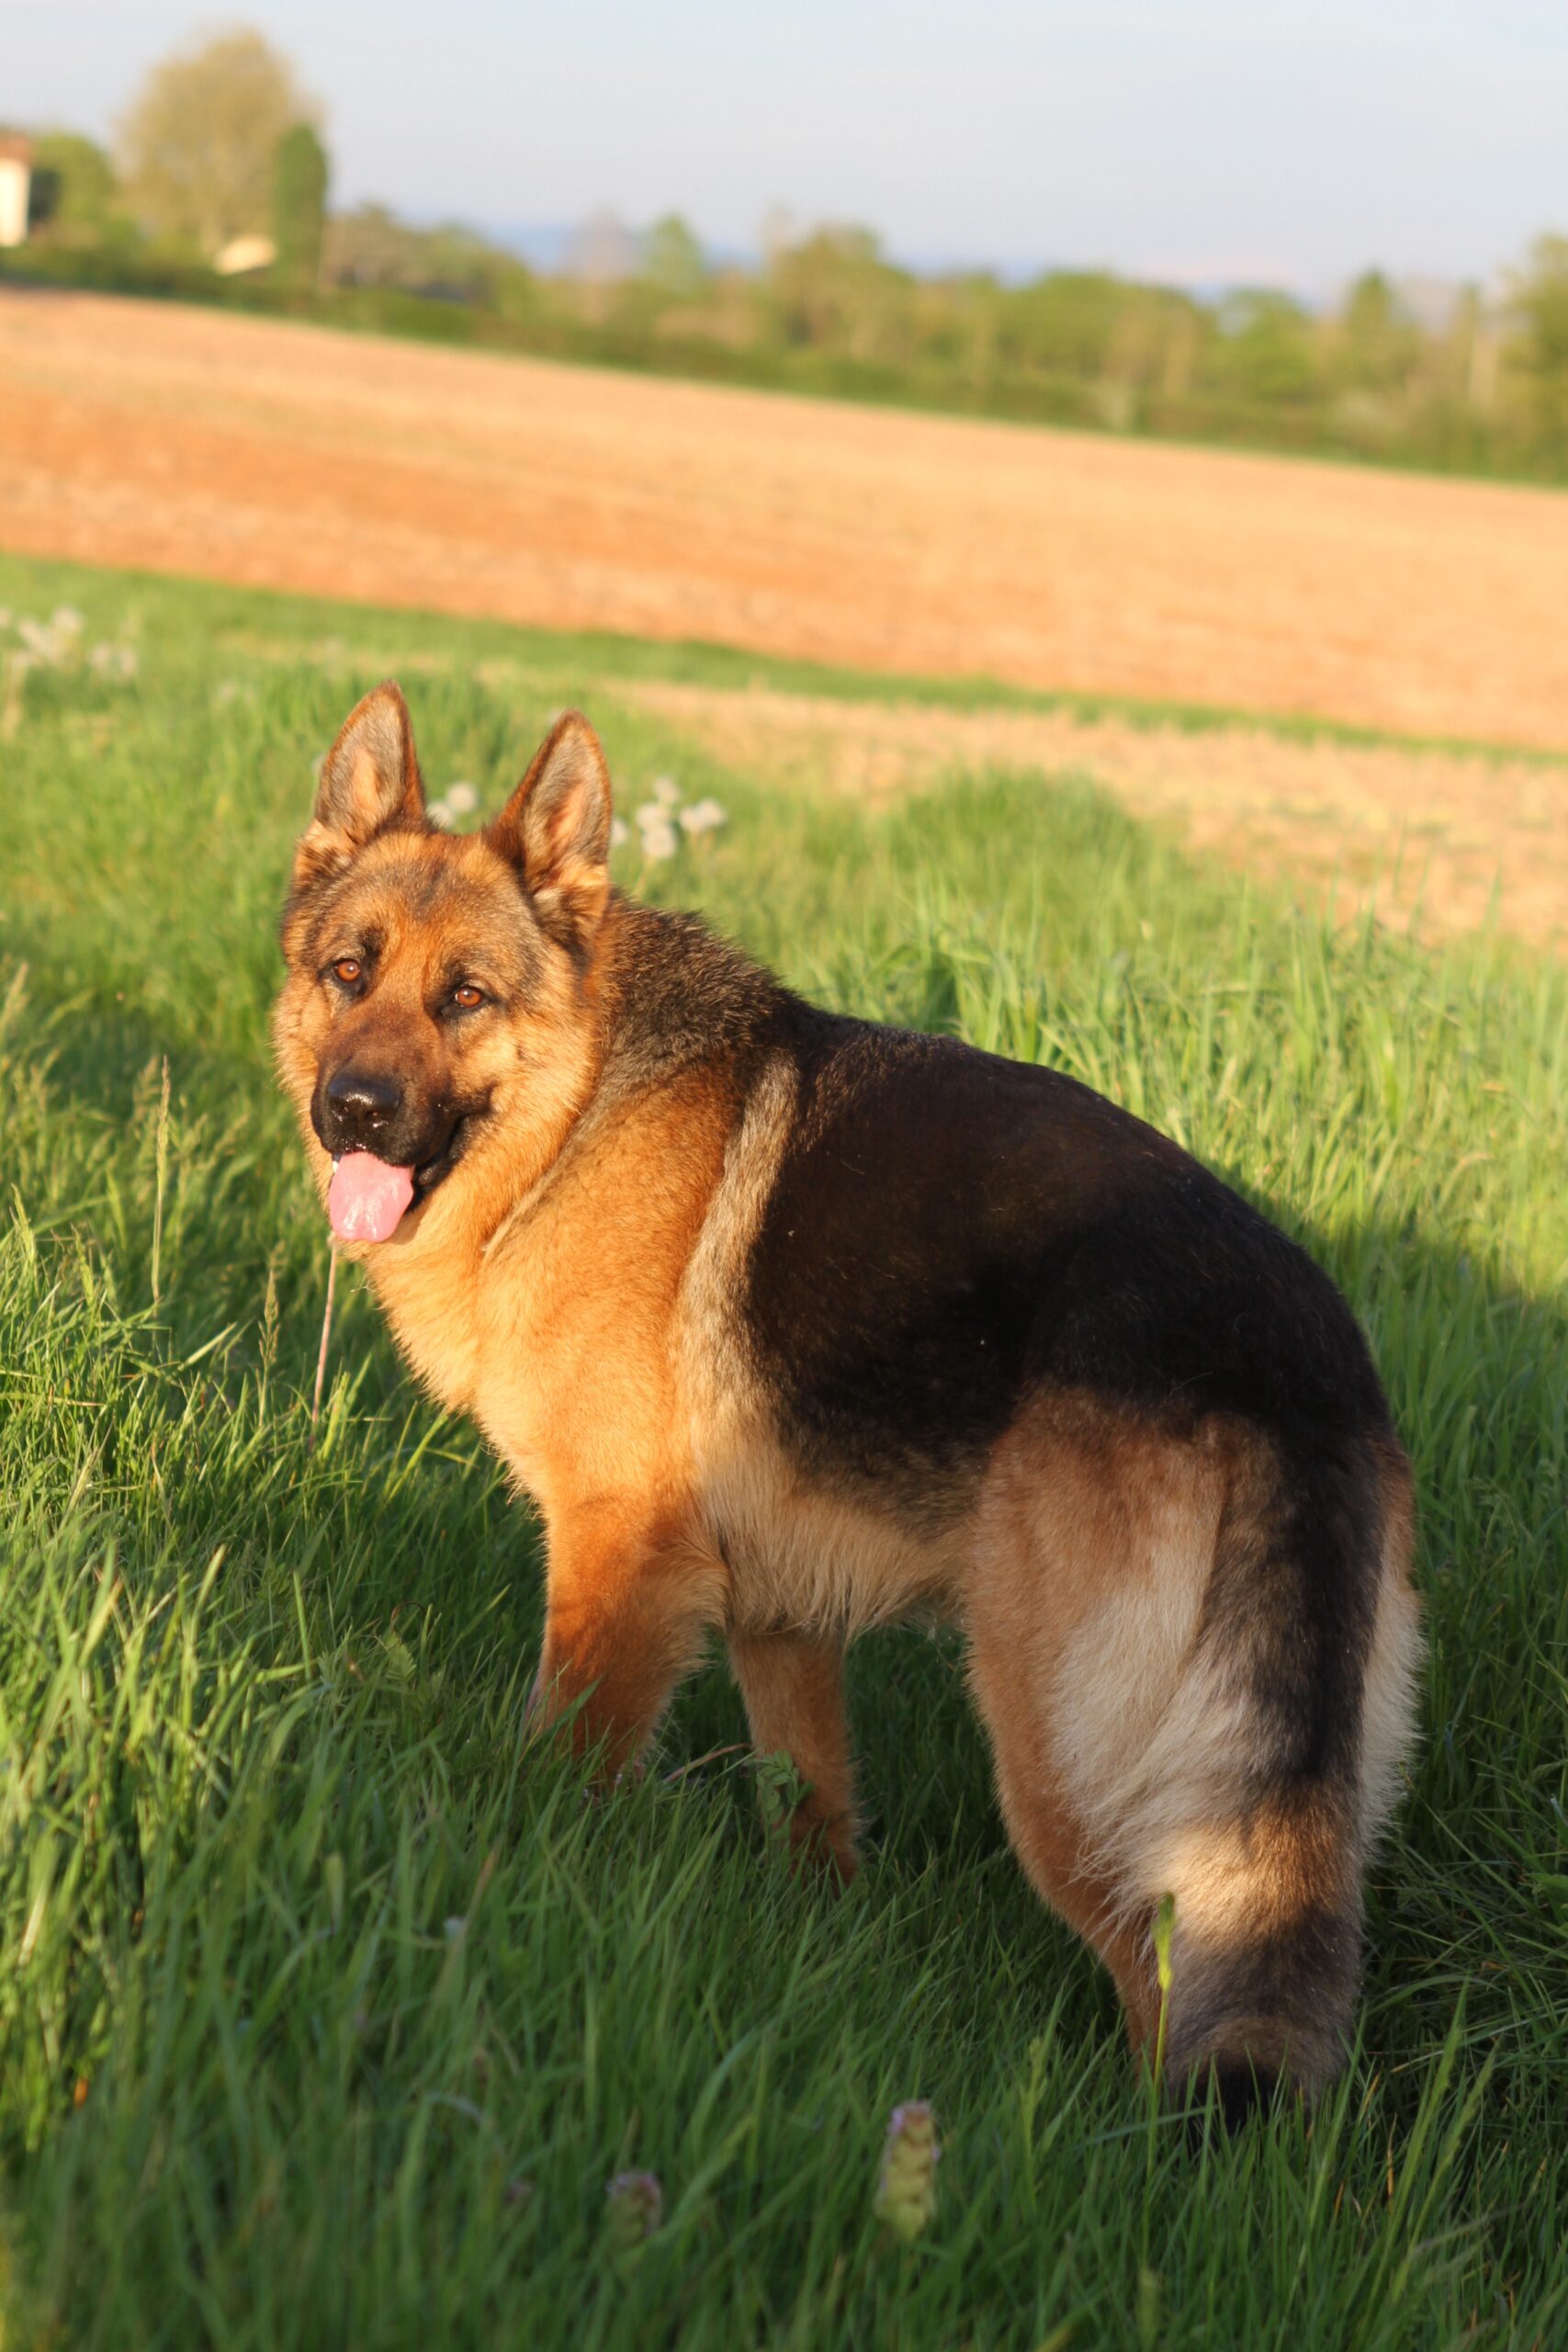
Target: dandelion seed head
x: 659, y: 842
x: 704, y: 817
x: 462, y: 799
x: 44, y: 643
x: 441, y: 817
x: 666, y: 791
x: 108, y: 661
x: 620, y: 833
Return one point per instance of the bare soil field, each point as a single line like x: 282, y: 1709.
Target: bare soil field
x: 289, y: 456
x: 1449, y: 840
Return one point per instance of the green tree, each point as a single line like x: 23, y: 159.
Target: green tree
x: 198, y: 148
x: 673, y: 261
x: 1263, y: 351
x: 1540, y: 352
x: 838, y: 292
x: 371, y: 247
x: 1379, y: 345
x: 300, y: 205
x: 74, y: 200
x: 1064, y: 323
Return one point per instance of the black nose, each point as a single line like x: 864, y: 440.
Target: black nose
x: 360, y: 1104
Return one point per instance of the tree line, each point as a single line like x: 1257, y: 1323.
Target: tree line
x: 222, y: 146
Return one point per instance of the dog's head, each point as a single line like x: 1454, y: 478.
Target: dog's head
x: 437, y: 1028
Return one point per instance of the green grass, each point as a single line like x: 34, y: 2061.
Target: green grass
x: 329, y: 2011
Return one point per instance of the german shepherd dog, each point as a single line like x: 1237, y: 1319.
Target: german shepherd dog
x: 793, y: 1325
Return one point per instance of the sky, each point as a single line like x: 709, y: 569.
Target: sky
x: 1199, y: 141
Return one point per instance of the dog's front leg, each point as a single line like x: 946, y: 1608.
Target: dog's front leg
x: 630, y: 1597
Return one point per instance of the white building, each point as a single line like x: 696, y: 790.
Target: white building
x: 242, y: 253
x: 15, y: 188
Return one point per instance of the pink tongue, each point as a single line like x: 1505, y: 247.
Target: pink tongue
x: 367, y: 1197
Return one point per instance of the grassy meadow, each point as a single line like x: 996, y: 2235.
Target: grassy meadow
x: 330, y: 2009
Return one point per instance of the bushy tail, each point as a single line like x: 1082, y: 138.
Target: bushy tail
x: 1265, y: 1954
x: 1277, y: 1760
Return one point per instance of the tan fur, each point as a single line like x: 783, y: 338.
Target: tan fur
x: 794, y: 1688
x: 1093, y: 1547
x: 1389, y: 1701
x: 561, y: 1342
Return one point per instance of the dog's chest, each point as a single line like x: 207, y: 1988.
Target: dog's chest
x: 556, y: 1336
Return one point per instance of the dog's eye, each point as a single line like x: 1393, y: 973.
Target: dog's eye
x: 348, y: 969
x: 468, y: 998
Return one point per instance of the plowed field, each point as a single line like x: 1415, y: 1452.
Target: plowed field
x: 289, y: 456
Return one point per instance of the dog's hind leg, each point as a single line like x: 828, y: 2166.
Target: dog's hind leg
x: 631, y: 1597
x: 1074, y: 1530
x: 793, y: 1690
x: 1194, y: 1657
x: 1042, y: 1823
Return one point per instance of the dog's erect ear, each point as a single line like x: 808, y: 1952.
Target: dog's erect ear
x: 369, y: 780
x: 556, y: 831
